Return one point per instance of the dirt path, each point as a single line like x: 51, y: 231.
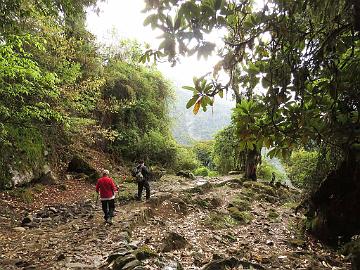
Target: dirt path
x: 218, y: 219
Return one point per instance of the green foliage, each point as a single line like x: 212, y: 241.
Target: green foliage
x: 138, y: 112
x: 203, y: 151
x: 45, y: 54
x: 185, y: 159
x: 266, y: 169
x: 38, y: 188
x: 188, y: 129
x: 307, y: 168
x: 127, y: 191
x: 241, y: 203
x: 304, y: 54
x: 302, y: 167
x: 226, y: 153
x: 202, y: 171
x: 156, y: 147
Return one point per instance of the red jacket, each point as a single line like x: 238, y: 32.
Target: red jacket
x: 107, y: 188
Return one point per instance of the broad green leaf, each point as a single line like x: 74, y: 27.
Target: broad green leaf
x: 189, y: 88
x: 191, y: 102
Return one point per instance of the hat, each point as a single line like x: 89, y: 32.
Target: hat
x: 106, y: 172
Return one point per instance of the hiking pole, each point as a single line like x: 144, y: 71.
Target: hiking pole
x: 97, y: 198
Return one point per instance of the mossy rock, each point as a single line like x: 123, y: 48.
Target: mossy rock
x: 220, y: 221
x: 351, y: 247
x: 241, y: 205
x: 120, y: 262
x: 249, y: 193
x: 180, y: 205
x: 144, y: 252
x: 260, y: 187
x: 233, y: 183
x: 267, y: 198
x: 201, y: 189
x: 272, y: 214
x: 173, y: 241
x: 186, y: 174
x: 209, y: 203
x: 241, y: 216
x: 244, y: 197
x: 202, y: 202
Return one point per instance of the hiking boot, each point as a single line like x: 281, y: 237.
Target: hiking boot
x: 109, y: 220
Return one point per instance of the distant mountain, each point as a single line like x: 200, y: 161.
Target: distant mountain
x: 188, y: 127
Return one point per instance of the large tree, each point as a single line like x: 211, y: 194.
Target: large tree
x: 304, y: 55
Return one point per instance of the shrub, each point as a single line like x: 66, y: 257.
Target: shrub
x: 203, y: 151
x: 226, y: 150
x: 302, y: 167
x: 157, y: 148
x: 202, y: 171
x: 185, y: 159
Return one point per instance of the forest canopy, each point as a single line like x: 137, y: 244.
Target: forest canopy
x: 304, y: 55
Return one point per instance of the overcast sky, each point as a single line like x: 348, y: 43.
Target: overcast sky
x: 126, y: 18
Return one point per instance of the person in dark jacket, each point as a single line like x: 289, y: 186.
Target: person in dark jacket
x: 107, y: 188
x: 144, y: 181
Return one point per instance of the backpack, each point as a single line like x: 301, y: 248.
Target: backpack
x: 137, y: 174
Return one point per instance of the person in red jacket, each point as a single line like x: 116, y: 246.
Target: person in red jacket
x: 107, y: 188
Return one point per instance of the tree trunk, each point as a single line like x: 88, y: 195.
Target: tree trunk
x: 334, y: 208
x: 252, y: 160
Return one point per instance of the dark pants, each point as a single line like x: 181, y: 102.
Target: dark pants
x: 108, y: 207
x: 141, y: 186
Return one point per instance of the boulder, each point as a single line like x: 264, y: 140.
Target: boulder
x: 131, y: 265
x: 144, y: 252
x: 79, y: 165
x: 186, y: 174
x: 180, y: 205
x: 173, y: 241
x: 122, y: 261
x: 20, y: 177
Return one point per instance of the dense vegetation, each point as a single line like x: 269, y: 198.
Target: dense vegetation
x: 62, y: 96
x: 305, y: 55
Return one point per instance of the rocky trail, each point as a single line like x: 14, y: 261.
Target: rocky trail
x: 216, y: 223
